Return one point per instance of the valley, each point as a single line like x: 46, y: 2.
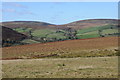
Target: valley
x: 41, y: 32
x: 81, y: 49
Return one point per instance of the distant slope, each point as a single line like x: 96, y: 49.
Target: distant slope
x: 93, y: 28
x: 10, y: 36
x: 27, y: 24
x: 98, y: 31
x: 91, y: 23
x: 106, y: 46
x: 40, y: 32
x: 76, y: 25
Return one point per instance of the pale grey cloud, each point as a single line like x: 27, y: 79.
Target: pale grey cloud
x: 11, y: 4
x: 18, y: 5
x: 16, y: 8
x: 8, y: 10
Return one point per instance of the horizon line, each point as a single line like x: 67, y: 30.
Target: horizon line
x: 58, y: 24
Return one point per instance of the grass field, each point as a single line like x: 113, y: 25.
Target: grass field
x: 43, y: 32
x: 95, y: 28
x: 92, y: 67
x: 110, y: 31
x: 57, y: 36
x: 22, y: 29
x: 29, y: 41
x: 94, y: 31
x: 50, y: 35
x: 89, y: 35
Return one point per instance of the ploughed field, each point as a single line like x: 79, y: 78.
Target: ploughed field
x: 94, y: 47
x: 88, y: 67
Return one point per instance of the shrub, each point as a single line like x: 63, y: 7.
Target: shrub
x: 118, y: 53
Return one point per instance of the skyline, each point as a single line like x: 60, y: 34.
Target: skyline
x: 58, y: 12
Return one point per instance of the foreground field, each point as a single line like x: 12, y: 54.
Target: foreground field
x: 106, y: 46
x: 92, y: 67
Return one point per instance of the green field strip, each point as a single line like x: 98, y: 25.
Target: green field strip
x: 57, y: 36
x: 30, y: 41
x: 95, y: 29
x: 42, y: 33
x: 22, y: 30
x: 110, y: 31
x: 88, y: 36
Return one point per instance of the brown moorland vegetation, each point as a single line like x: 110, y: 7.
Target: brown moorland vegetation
x: 76, y: 24
x: 39, y: 32
x: 10, y: 36
x: 105, y: 46
x: 81, y: 24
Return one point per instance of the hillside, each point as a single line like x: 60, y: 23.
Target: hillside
x: 26, y: 24
x: 76, y: 24
x: 10, y: 37
x: 106, y: 46
x: 91, y: 23
x: 41, y: 32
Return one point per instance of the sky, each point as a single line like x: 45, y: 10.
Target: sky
x: 58, y: 12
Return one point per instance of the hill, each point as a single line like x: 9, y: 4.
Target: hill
x: 26, y: 24
x: 10, y: 37
x: 40, y: 32
x: 106, y: 46
x: 91, y: 23
x: 76, y: 24
x: 93, y: 28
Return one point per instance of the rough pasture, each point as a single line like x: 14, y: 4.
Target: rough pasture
x: 106, y: 46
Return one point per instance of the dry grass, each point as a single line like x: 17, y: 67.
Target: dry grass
x: 91, y: 67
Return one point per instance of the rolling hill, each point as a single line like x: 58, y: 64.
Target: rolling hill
x: 76, y: 24
x: 89, y: 55
x: 91, y: 23
x: 40, y: 32
x: 28, y: 24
